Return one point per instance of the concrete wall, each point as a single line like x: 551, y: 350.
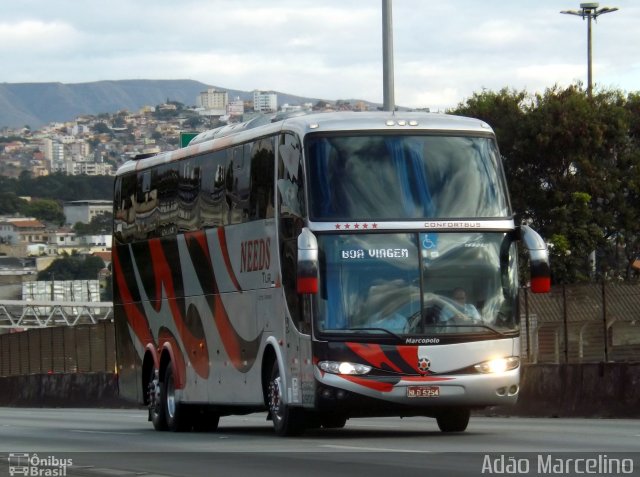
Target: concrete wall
x: 61, y: 390
x: 589, y: 390
x: 548, y: 390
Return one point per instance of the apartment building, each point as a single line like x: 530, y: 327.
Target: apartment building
x: 265, y: 101
x: 213, y: 99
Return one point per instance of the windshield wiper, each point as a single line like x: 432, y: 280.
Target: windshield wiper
x: 470, y: 325
x: 364, y: 328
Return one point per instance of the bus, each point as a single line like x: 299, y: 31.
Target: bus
x: 319, y: 268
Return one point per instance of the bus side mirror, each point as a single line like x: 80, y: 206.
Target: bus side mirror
x: 539, y: 258
x: 307, y: 279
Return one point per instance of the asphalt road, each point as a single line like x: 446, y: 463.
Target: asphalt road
x: 109, y: 442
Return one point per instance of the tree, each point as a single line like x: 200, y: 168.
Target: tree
x: 76, y: 267
x: 46, y: 210
x: 193, y: 122
x: 572, y: 167
x: 100, y: 224
x: 10, y: 203
x: 102, y: 128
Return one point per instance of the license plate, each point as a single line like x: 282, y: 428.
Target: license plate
x: 423, y: 391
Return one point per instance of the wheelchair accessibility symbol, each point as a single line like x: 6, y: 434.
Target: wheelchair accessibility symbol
x: 429, y: 244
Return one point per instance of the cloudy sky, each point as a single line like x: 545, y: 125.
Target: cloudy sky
x: 444, y: 49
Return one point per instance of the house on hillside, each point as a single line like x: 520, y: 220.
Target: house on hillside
x: 22, y: 230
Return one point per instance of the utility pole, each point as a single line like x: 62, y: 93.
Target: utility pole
x: 387, y: 56
x: 589, y: 11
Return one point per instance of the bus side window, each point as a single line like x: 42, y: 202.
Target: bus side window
x: 292, y: 210
x: 167, y: 186
x: 237, y: 183
x: 261, y: 195
x: 128, y: 211
x: 118, y: 213
x: 214, y: 209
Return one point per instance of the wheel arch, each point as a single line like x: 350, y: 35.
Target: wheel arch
x: 149, y: 363
x: 170, y: 353
x: 271, y: 354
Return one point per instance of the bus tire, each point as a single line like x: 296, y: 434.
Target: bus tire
x: 156, y: 409
x: 454, y: 420
x: 175, y: 414
x: 287, y: 420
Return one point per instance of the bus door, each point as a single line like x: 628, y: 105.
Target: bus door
x: 291, y: 213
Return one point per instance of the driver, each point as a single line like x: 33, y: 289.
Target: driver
x: 462, y: 308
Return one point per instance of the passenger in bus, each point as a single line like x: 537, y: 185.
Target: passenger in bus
x: 459, y: 308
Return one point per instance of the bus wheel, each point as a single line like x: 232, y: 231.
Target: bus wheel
x: 287, y: 420
x: 453, y: 420
x: 156, y: 409
x: 174, y: 412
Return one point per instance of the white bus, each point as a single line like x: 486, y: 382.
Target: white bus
x: 321, y: 267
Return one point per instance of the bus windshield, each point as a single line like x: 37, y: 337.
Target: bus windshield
x: 417, y: 284
x: 404, y: 177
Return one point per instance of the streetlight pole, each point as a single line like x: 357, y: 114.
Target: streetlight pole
x: 589, y: 11
x: 387, y: 57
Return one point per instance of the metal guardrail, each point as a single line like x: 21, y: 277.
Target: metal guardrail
x: 24, y: 314
x: 572, y: 324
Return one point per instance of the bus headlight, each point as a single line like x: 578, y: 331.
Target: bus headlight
x: 498, y: 365
x: 343, y: 367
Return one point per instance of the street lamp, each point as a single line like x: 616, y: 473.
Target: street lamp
x: 589, y: 10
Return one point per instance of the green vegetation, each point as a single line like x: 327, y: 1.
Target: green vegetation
x: 99, y: 225
x: 572, y: 164
x: 75, y: 267
x: 573, y: 167
x: 59, y: 187
x: 49, y: 192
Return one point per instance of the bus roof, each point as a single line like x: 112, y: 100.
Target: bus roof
x: 302, y: 124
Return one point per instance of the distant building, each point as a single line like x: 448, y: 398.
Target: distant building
x: 235, y: 107
x: 58, y: 156
x: 213, y: 99
x: 265, y: 101
x: 17, y: 234
x: 93, y: 169
x: 85, y: 210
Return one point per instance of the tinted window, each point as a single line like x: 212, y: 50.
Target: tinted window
x: 404, y: 177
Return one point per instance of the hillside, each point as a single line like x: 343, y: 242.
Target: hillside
x: 36, y: 104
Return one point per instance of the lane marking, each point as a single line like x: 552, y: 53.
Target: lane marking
x: 381, y: 426
x: 375, y: 449
x: 84, y: 431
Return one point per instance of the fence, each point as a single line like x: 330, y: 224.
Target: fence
x: 572, y: 324
x: 581, y: 324
x: 60, y: 349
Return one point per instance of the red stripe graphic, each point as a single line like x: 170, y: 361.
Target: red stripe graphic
x: 410, y: 355
x: 222, y: 238
x: 168, y: 341
x: 373, y: 354
x: 136, y: 319
x: 197, y: 349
